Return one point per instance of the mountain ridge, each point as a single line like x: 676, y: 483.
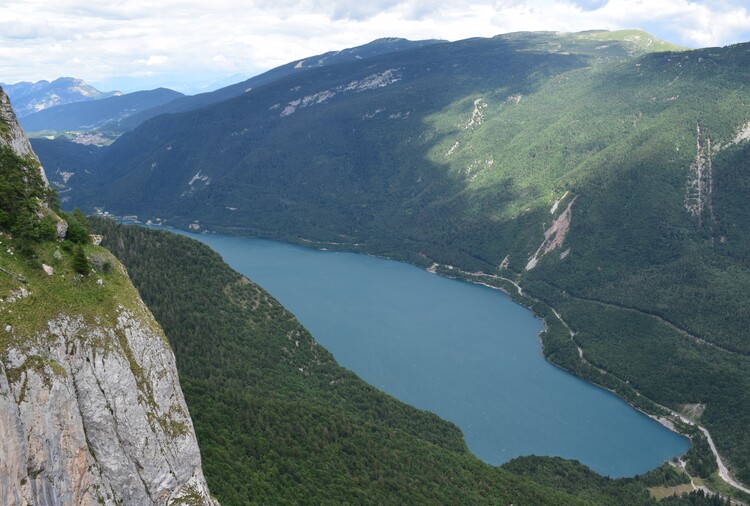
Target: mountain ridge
x: 100, y: 114
x: 29, y: 97
x: 374, y: 48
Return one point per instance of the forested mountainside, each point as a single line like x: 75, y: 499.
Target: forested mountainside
x: 280, y: 422
x: 605, y: 172
x: 374, y: 48
x: 91, y: 410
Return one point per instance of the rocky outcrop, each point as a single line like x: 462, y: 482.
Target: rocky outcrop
x: 91, y: 410
x: 555, y: 235
x: 11, y: 133
x: 95, y: 415
x: 700, y: 187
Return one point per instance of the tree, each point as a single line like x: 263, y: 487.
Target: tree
x: 78, y: 227
x: 80, y: 262
x: 24, y: 200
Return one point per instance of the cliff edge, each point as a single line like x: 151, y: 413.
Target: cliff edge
x: 91, y: 410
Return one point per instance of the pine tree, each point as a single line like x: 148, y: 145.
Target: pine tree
x: 80, y: 262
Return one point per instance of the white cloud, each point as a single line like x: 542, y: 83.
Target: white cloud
x: 177, y: 38
x: 154, y: 60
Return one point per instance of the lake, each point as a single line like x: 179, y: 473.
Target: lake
x: 465, y: 352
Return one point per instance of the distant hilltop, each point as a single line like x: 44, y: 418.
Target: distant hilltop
x: 28, y: 98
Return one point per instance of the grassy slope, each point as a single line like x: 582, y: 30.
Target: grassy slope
x: 278, y: 421
x: 65, y: 292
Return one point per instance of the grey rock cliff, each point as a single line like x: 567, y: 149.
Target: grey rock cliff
x: 94, y: 414
x: 13, y: 135
x: 91, y: 410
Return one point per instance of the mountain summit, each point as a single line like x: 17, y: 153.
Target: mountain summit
x: 28, y: 98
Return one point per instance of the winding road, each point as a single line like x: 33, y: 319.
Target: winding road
x: 724, y: 473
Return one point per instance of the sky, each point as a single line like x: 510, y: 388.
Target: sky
x: 199, y: 45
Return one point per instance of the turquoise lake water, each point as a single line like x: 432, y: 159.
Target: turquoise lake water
x: 463, y: 351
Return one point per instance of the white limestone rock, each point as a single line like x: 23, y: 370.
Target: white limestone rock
x: 15, y: 136
x: 94, y: 415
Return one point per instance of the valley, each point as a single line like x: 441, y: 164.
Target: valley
x: 597, y: 177
x: 318, y: 434
x: 612, y: 127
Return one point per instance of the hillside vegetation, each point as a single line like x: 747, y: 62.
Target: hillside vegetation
x: 30, y: 242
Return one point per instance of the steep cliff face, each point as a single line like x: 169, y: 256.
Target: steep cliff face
x: 91, y: 410
x: 11, y: 133
x: 93, y: 414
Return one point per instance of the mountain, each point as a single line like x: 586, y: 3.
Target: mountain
x: 28, y: 98
x: 66, y: 162
x: 374, y: 48
x: 366, y: 110
x: 102, y: 114
x: 84, y: 361
x: 601, y: 172
x: 91, y: 410
x: 280, y: 422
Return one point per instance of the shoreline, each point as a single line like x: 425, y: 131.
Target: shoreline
x: 469, y: 277
x: 723, y: 472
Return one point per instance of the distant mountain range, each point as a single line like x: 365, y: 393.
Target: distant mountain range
x: 606, y: 174
x: 28, y: 98
x: 68, y: 104
x: 102, y: 114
